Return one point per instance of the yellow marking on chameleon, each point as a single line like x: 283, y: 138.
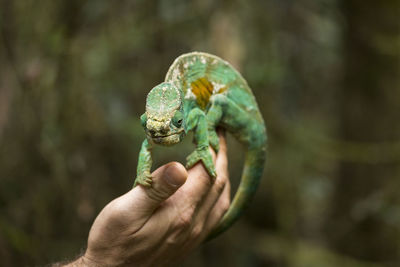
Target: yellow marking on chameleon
x: 202, y: 89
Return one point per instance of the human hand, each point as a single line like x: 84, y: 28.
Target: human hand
x: 160, y: 225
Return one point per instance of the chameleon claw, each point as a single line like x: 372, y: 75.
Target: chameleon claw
x: 144, y: 179
x: 192, y: 159
x: 205, y: 157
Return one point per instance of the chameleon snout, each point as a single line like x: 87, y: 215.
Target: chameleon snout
x: 162, y: 133
x: 158, y: 128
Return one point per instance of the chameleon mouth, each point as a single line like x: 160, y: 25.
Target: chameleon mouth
x: 159, y: 136
x: 169, y: 139
x: 164, y: 136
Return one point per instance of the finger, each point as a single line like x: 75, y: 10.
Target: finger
x: 221, y: 165
x: 196, y: 187
x: 199, y: 180
x: 218, y: 187
x: 222, y: 157
x: 210, y: 166
x: 210, y: 200
x: 213, y: 154
x: 222, y: 204
x: 218, y: 210
x: 166, y: 180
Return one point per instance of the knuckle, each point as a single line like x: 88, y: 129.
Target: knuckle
x: 219, y: 185
x: 185, y: 219
x: 173, y: 240
x: 157, y: 194
x: 196, y: 232
x: 183, y: 222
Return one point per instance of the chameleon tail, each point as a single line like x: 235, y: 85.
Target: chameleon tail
x: 252, y: 172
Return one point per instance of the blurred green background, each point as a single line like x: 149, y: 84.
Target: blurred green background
x: 74, y: 75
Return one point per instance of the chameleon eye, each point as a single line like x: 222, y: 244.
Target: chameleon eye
x: 177, y: 119
x: 143, y: 119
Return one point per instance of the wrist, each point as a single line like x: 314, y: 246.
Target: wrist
x: 83, y: 261
x: 90, y: 260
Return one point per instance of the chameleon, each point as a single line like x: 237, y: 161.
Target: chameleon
x: 200, y: 93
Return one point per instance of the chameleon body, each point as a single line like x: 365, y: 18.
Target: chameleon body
x: 202, y: 92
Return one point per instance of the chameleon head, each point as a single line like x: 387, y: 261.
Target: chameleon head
x: 163, y: 120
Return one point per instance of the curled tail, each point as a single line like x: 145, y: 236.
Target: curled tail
x: 252, y: 172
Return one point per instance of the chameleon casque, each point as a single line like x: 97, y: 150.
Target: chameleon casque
x: 202, y: 92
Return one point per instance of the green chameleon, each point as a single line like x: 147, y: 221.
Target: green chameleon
x: 202, y: 92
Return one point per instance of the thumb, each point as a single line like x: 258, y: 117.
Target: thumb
x: 166, y: 180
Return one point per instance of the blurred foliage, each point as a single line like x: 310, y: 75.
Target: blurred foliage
x: 73, y: 80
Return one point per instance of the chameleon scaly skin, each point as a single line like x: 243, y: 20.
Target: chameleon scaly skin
x: 202, y: 92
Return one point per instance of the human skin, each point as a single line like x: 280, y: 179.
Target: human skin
x: 162, y: 224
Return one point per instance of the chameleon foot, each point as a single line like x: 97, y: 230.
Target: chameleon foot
x: 213, y: 139
x: 144, y: 179
x: 204, y: 155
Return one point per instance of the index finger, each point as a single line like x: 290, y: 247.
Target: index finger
x: 221, y: 163
x: 199, y: 182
